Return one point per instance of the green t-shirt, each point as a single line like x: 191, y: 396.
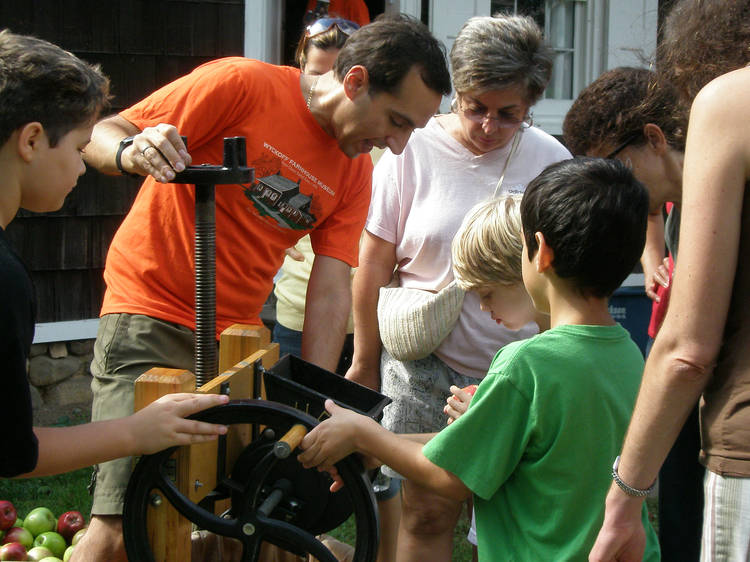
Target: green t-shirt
x: 537, y: 443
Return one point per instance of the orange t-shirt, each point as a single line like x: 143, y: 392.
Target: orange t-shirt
x: 150, y: 264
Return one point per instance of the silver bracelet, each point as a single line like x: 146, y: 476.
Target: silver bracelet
x: 629, y: 490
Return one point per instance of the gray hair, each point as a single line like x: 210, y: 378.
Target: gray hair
x: 500, y: 52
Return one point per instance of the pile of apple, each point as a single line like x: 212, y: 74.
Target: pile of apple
x: 40, y: 536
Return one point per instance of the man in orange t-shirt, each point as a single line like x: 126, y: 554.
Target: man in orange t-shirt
x: 310, y: 130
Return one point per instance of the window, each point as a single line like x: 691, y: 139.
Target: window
x: 588, y: 37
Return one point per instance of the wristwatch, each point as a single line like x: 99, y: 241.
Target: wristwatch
x: 124, y: 143
x: 629, y: 490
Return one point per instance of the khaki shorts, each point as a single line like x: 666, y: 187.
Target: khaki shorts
x: 128, y: 345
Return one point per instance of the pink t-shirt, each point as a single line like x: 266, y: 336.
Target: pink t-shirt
x: 419, y: 199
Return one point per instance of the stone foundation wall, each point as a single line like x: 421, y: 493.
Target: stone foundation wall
x: 60, y: 381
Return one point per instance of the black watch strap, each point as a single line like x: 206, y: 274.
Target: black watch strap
x: 124, y: 143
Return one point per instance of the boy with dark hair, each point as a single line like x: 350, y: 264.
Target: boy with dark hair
x: 49, y: 101
x: 557, y: 403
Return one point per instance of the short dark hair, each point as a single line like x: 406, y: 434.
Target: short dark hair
x: 592, y: 213
x: 614, y: 108
x: 388, y: 48
x: 41, y: 82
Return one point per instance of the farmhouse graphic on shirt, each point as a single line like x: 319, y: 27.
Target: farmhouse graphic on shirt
x: 278, y: 197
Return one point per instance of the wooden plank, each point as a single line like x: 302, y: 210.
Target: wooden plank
x: 240, y: 340
x: 169, y: 532
x: 202, y: 459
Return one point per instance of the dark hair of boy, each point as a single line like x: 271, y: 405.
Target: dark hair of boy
x: 386, y: 47
x: 40, y: 82
x: 615, y: 107
x: 592, y: 213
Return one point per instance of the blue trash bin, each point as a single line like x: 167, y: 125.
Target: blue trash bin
x: 632, y: 309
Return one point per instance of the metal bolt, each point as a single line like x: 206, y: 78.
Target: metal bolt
x: 198, y: 484
x: 248, y: 529
x: 156, y: 500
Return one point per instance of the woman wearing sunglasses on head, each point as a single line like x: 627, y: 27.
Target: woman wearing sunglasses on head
x: 352, y: 10
x: 321, y: 42
x: 486, y: 146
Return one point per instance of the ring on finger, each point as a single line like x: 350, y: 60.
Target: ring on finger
x: 143, y: 152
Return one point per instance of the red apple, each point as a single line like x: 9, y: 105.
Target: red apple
x: 8, y: 515
x: 471, y: 389
x: 19, y: 534
x: 13, y: 551
x: 69, y: 523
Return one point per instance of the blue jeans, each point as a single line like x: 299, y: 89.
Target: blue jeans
x: 290, y: 341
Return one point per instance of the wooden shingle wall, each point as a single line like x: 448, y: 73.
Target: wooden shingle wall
x: 140, y: 45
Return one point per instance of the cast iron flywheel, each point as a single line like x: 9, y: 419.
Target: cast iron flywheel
x: 273, y: 498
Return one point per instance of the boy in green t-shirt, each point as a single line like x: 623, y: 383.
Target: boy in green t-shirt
x: 536, y: 444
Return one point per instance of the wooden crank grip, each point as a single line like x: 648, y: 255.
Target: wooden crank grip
x: 284, y: 446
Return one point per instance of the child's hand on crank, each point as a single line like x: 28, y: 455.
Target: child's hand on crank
x: 162, y: 423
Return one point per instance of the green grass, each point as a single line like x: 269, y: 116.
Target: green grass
x: 61, y: 493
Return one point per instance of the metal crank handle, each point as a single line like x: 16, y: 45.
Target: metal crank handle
x: 291, y: 440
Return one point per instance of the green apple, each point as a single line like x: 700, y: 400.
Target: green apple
x: 52, y: 540
x: 50, y: 559
x: 68, y: 553
x: 40, y: 520
x: 39, y: 553
x: 77, y: 536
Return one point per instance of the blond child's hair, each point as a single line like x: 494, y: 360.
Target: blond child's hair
x: 487, y: 247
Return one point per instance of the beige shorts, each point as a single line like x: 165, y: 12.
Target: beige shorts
x: 128, y: 345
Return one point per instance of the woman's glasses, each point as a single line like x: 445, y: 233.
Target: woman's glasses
x: 480, y: 114
x: 628, y: 140
x: 326, y: 24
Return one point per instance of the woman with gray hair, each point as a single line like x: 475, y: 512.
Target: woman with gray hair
x: 485, y: 147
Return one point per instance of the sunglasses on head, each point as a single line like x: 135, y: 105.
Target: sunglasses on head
x: 326, y: 24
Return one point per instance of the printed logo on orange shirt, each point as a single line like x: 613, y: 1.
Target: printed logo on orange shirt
x: 279, y: 197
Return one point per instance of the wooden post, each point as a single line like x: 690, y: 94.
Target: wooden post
x: 168, y: 531
x: 195, y: 466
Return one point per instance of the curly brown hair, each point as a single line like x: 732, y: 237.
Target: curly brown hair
x: 615, y: 107
x: 703, y: 39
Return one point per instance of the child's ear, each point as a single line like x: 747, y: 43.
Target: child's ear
x: 29, y: 137
x: 655, y: 138
x: 356, y: 81
x: 544, y: 254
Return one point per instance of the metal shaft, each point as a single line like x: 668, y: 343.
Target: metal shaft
x: 206, y: 364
